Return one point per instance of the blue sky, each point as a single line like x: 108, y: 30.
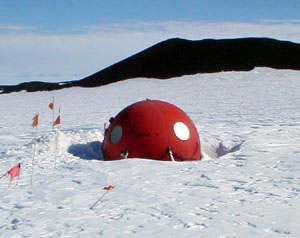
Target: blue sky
x: 71, y: 16
x: 59, y: 40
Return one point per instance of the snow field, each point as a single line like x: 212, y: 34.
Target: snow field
x: 247, y: 185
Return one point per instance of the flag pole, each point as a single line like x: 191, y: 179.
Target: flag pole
x: 3, y: 175
x: 53, y: 114
x: 56, y: 143
x: 99, y: 199
x: 107, y: 190
x: 56, y: 122
x: 33, y: 156
x: 15, y: 184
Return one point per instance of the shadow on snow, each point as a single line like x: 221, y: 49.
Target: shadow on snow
x: 92, y: 150
x: 89, y: 151
x: 221, y: 150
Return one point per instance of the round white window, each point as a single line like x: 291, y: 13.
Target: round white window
x: 116, y: 134
x: 181, y: 131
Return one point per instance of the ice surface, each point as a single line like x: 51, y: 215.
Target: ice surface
x: 247, y: 185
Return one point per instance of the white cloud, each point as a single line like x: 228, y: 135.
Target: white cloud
x: 49, y: 57
x: 272, y: 21
x: 8, y: 27
x: 202, y: 29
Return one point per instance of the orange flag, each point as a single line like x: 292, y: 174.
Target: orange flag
x: 108, y: 187
x: 14, y: 172
x: 35, y: 120
x: 51, y: 105
x: 57, y: 121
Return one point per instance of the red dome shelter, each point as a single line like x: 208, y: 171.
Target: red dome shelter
x: 151, y: 129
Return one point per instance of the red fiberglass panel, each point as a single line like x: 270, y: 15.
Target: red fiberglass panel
x: 151, y: 129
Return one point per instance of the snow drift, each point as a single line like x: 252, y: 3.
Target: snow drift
x: 247, y: 185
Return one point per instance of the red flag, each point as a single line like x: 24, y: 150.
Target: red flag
x: 35, y: 120
x: 57, y: 121
x: 51, y: 105
x: 108, y: 187
x: 14, y: 172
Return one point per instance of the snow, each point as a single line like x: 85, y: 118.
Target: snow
x: 247, y: 185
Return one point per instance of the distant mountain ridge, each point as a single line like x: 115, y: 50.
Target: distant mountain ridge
x: 177, y: 57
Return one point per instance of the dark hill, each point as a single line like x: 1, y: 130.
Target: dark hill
x: 177, y: 57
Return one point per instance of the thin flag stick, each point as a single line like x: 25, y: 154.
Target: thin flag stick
x: 53, y: 114
x: 16, y: 183
x: 56, y: 122
x: 33, y: 155
x: 107, y: 190
x: 3, y: 175
x: 99, y: 199
x: 56, y: 143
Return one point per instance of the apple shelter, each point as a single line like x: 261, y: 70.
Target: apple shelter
x: 151, y: 129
